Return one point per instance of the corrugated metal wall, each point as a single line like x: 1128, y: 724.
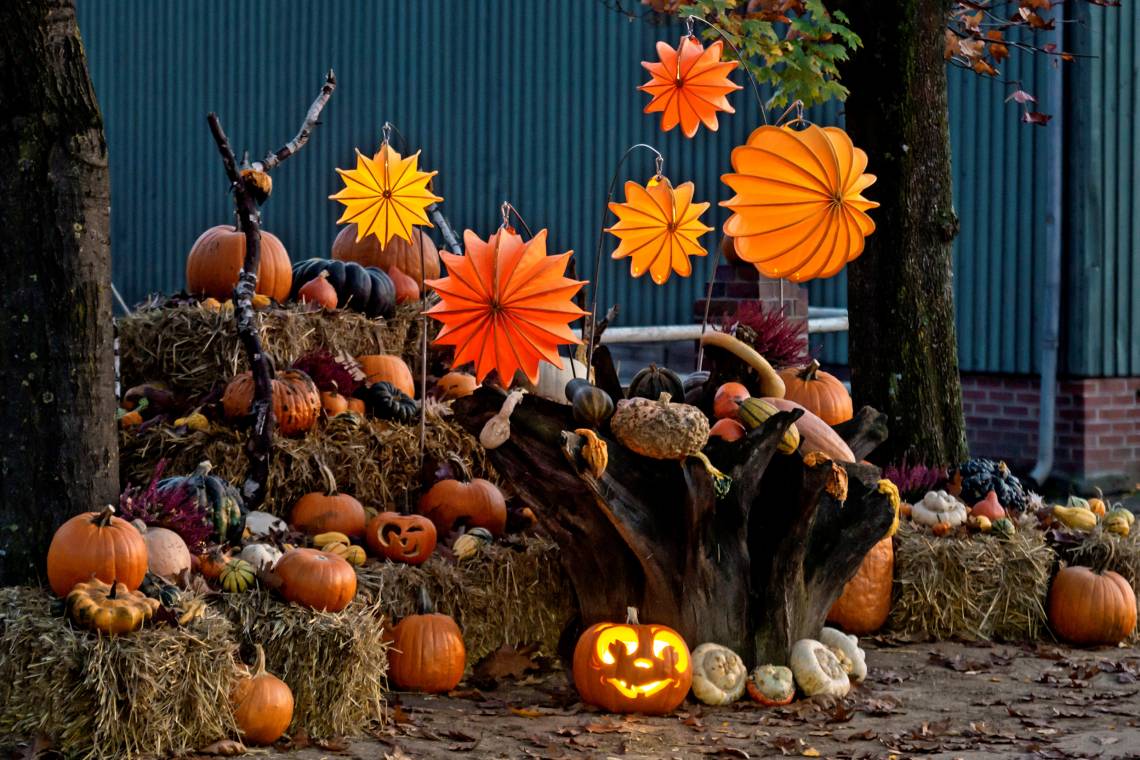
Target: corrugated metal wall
x: 534, y: 102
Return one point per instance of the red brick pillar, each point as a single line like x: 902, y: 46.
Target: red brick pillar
x: 738, y: 281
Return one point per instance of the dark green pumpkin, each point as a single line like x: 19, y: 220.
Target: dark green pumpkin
x: 652, y: 381
x: 590, y: 405
x: 368, y: 290
x: 216, y: 499
x: 387, y: 402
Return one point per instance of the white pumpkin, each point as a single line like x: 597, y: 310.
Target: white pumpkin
x: 939, y: 507
x: 719, y: 675
x: 818, y: 670
x: 552, y: 381
x: 854, y: 659
x: 262, y: 524
x: 261, y: 556
x: 166, y: 552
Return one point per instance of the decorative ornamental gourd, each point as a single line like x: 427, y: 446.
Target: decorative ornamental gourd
x: 819, y: 392
x: 166, y: 552
x: 1089, y: 608
x: 318, y: 512
x: 727, y: 401
x: 817, y: 435
x: 590, y: 405
x: 754, y: 412
x: 109, y: 608
x: 215, y: 496
x: 261, y: 556
x: 817, y: 670
x: 989, y: 507
x: 552, y: 381
x: 719, y: 675
x: 385, y: 401
x: 318, y: 291
x: 595, y: 451
x: 401, y: 538
x: 427, y: 652
x: 1119, y: 522
x: 938, y: 507
x: 854, y: 659
x: 237, y: 576
x: 296, y: 400
x: 465, y: 501
x: 263, y: 704
x: 333, y: 403
x: 96, y: 545
x: 663, y: 430
x: 407, y: 289
x: 759, y: 377
x: 771, y: 685
x: 865, y: 603
x: 471, y: 543
x: 652, y: 381
x: 367, y: 290
x: 455, y: 385
x: 629, y: 667
x: 316, y: 579
x: 728, y: 430
x: 497, y: 430
x: 260, y: 525
x: 1077, y: 518
x: 216, y: 259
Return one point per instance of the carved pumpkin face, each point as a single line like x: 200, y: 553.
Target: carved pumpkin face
x: 401, y: 538
x: 632, y: 668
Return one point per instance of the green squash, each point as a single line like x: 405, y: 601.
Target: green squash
x: 652, y: 381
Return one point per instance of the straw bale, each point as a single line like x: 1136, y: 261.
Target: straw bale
x: 159, y: 691
x: 510, y: 594
x: 971, y: 587
x: 336, y: 663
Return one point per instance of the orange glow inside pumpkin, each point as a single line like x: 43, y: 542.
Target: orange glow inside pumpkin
x: 640, y: 664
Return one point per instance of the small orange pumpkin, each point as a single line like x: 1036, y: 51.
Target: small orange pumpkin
x: 356, y: 405
x: 865, y: 603
x: 427, y: 652
x: 319, y: 291
x: 401, y: 538
x: 216, y: 259
x: 296, y: 400
x: 318, y: 512
x: 96, y: 545
x: 455, y: 385
x: 466, y: 501
x: 333, y: 403
x: 263, y: 704
x: 316, y: 579
x: 387, y: 368
x: 727, y: 429
x: 941, y: 529
x: 727, y: 400
x: 211, y: 564
x: 1086, y: 607
x: 989, y: 507
x: 819, y: 392
x: 407, y: 289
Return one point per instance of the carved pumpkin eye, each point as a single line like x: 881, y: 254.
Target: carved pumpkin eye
x: 665, y: 639
x: 621, y: 634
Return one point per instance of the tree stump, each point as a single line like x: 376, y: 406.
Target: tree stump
x: 755, y: 571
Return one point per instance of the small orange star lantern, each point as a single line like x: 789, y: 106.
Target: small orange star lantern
x: 799, y: 212
x: 689, y: 85
x: 658, y: 226
x: 505, y: 305
x: 386, y: 195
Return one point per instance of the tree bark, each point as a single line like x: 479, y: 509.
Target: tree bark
x: 755, y: 571
x: 903, y: 342
x: 59, y: 451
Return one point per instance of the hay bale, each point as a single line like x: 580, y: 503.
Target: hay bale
x: 376, y: 461
x: 336, y: 663
x: 159, y: 691
x: 192, y: 348
x: 510, y: 594
x: 975, y: 587
x: 1103, y: 551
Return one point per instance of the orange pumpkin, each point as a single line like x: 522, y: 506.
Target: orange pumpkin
x: 316, y: 579
x: 819, y: 392
x: 401, y: 538
x: 211, y: 564
x: 333, y: 403
x: 356, y: 405
x: 216, y: 258
x: 263, y: 704
x: 427, y: 652
x: 318, y: 512
x: 319, y: 291
x: 369, y: 252
x: 726, y: 402
x: 727, y: 430
x: 296, y: 400
x: 407, y: 289
x: 865, y: 603
x: 455, y: 385
x: 96, y: 545
x: 468, y: 502
x: 629, y: 667
x: 387, y: 368
x: 1086, y: 607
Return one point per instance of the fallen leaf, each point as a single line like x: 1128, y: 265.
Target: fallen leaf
x: 810, y: 752
x: 524, y: 712
x: 224, y: 748
x: 506, y: 662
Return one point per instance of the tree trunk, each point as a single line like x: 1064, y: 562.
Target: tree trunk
x: 904, y: 351
x: 59, y: 451
x: 755, y: 571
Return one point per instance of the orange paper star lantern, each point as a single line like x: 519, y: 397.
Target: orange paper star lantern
x: 799, y: 212
x: 505, y: 305
x: 386, y: 195
x: 658, y: 226
x: 689, y: 85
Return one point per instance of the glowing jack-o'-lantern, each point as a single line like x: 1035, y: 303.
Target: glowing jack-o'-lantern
x: 630, y: 667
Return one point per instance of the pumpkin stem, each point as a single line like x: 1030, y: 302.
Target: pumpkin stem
x: 462, y: 474
x: 808, y: 373
x: 259, y: 661
x: 424, y: 605
x: 103, y: 519
x: 664, y: 398
x: 631, y: 616
x: 330, y: 481
x: 113, y: 593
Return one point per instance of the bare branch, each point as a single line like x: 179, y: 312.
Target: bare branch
x: 311, y: 119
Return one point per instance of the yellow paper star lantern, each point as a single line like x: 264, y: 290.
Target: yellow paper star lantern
x: 386, y: 195
x: 658, y: 226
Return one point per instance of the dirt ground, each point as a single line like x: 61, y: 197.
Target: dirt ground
x: 929, y: 700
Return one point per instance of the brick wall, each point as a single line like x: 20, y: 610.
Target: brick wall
x: 737, y: 281
x: 1097, y: 424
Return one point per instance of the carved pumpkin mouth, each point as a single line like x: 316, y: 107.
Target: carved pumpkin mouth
x: 632, y: 691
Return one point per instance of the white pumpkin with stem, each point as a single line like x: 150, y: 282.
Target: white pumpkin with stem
x: 939, y: 507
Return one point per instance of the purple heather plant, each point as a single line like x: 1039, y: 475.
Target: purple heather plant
x: 328, y: 372
x: 176, y: 510
x: 778, y: 339
x: 915, y: 480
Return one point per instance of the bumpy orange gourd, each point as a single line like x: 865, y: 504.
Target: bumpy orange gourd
x: 216, y: 258
x: 865, y: 603
x: 427, y: 652
x: 316, y: 579
x: 1086, y: 607
x: 389, y: 369
x: 96, y: 545
x: 819, y: 392
x: 369, y: 252
x: 296, y: 400
x: 263, y: 704
x: 629, y: 667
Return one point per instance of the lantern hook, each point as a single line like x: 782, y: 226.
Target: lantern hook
x: 690, y: 18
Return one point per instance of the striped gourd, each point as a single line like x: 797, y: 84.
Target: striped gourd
x: 754, y: 412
